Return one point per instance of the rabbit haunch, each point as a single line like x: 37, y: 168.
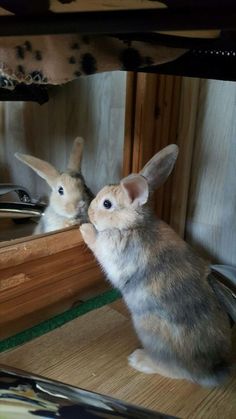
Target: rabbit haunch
x: 184, y: 331
x: 70, y: 197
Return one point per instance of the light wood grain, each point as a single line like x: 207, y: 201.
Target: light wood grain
x: 170, y: 186
x: 91, y: 352
x: 166, y: 130
x: 188, y: 108
x: 144, y: 120
x: 44, y: 276
x: 211, y: 217
x: 131, y: 91
x: 156, y: 121
x: 13, y: 253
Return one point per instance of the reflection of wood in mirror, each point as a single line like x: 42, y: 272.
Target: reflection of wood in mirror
x: 10, y: 230
x: 92, y: 107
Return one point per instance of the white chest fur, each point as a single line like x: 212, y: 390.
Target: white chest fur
x: 110, y: 252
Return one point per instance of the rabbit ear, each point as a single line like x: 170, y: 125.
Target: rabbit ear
x: 76, y: 154
x: 136, y: 187
x: 41, y: 167
x: 157, y: 170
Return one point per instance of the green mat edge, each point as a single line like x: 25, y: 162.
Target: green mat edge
x: 59, y: 320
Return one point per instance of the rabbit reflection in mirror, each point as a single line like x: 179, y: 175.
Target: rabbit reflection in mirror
x: 69, y: 198
x: 184, y: 331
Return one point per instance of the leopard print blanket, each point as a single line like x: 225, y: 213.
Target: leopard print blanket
x: 58, y: 59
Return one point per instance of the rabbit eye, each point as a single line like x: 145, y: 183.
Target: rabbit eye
x: 61, y: 190
x: 107, y: 204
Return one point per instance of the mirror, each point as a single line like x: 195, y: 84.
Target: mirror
x: 92, y: 108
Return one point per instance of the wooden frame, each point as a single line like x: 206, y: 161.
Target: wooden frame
x: 42, y: 276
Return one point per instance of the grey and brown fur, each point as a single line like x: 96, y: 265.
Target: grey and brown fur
x: 184, y: 331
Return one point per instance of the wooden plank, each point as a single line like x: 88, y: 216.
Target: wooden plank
x: 163, y: 122
x: 156, y: 125
x: 42, y: 276
x: 185, y: 140
x: 173, y: 139
x: 131, y: 86
x: 144, y: 119
x: 18, y: 251
x: 41, y: 286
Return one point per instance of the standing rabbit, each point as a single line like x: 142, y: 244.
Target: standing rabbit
x: 183, y: 329
x: 70, y: 197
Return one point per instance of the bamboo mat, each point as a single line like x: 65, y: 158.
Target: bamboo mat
x: 91, y: 352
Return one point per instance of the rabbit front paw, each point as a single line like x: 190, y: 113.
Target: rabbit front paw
x: 88, y: 232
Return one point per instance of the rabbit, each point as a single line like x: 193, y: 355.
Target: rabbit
x: 70, y: 197
x: 184, y: 331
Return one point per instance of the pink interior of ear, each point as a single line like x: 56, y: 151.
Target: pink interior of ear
x: 137, y: 188
x: 133, y: 189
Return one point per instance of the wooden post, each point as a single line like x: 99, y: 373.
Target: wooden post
x: 162, y: 110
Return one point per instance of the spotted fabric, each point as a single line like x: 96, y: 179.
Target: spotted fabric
x: 58, y: 59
